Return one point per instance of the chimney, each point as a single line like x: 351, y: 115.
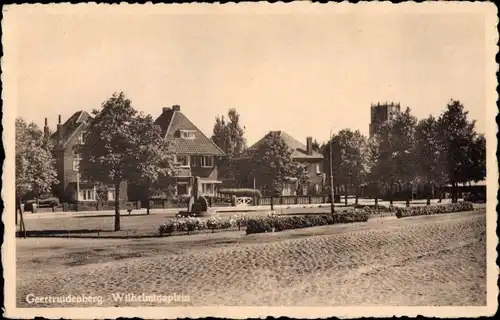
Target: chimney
x: 166, y: 109
x: 46, y: 129
x: 309, y: 146
x: 176, y: 107
x: 59, y: 130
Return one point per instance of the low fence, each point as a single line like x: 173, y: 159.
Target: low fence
x: 172, y: 204
x: 263, y: 201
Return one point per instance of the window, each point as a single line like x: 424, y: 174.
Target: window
x: 86, y: 195
x: 193, y: 161
x: 318, y: 169
x: 182, y: 160
x: 187, y: 134
x: 81, y: 137
x: 76, y: 162
x: 306, y: 170
x: 207, y: 161
x: 111, y: 195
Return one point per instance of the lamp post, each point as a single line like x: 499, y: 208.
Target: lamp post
x: 332, y: 191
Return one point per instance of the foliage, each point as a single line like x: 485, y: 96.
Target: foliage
x: 348, y: 157
x: 228, y: 134
x: 35, y: 166
x: 458, y: 136
x: 476, y: 166
x: 241, y: 192
x: 434, y: 209
x: 429, y: 150
x: 123, y: 145
x: 280, y: 223
x: 272, y: 163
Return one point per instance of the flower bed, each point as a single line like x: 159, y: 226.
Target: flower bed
x: 275, y: 223
x: 373, y: 208
x: 434, y: 209
x: 191, y: 224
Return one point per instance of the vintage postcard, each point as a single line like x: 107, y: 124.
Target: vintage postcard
x: 250, y: 160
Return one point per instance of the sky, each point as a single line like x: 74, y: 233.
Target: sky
x: 303, y: 73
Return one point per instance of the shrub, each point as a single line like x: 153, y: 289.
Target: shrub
x: 373, y: 209
x: 241, y: 192
x: 280, y: 223
x: 239, y: 220
x: 214, y: 222
x: 434, y: 209
x: 167, y: 228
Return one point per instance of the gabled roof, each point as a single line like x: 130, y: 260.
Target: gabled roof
x: 71, y: 127
x: 172, y: 121
x: 299, y: 150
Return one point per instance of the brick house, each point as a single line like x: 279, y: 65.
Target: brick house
x: 195, y: 154
x: 302, y: 153
x: 71, y: 187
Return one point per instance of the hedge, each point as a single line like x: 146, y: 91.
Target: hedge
x: 280, y: 223
x: 241, y: 192
x: 434, y: 209
x: 213, y: 223
x: 372, y: 207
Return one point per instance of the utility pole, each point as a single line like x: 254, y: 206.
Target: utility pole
x: 332, y: 191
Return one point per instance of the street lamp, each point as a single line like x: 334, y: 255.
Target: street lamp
x: 332, y: 191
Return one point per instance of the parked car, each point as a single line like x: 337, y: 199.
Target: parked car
x: 475, y: 197
x: 42, y: 203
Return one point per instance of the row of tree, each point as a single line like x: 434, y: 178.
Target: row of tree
x: 403, y: 152
x: 430, y: 152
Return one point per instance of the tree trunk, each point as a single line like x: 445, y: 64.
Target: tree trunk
x: 357, y: 194
x: 376, y: 196
x: 117, y: 206
x: 408, y: 194
x: 429, y: 194
x: 453, y: 192
x: 391, y: 194
x: 19, y: 208
x: 440, y: 193
x: 345, y: 195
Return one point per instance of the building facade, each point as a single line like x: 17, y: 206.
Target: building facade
x: 302, y: 153
x: 195, y: 154
x: 71, y: 186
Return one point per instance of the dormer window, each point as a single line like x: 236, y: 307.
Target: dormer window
x: 187, y: 134
x: 81, y: 137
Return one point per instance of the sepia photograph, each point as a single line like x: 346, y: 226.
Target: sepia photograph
x: 250, y: 160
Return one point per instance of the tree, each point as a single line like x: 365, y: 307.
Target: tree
x: 397, y: 154
x: 272, y: 162
x: 124, y: 145
x: 373, y: 166
x: 35, y: 166
x: 429, y: 151
x: 316, y: 146
x: 348, y: 159
x: 458, y: 135
x: 229, y: 137
x: 477, y: 165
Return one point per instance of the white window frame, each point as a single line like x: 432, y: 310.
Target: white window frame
x: 111, y: 195
x: 187, y: 134
x: 87, y: 195
x: 187, y: 157
x: 81, y: 137
x: 318, y: 169
x: 76, y: 162
x: 204, y: 160
x: 192, y: 161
